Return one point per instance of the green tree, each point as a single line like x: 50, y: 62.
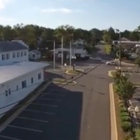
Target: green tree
x: 124, y: 88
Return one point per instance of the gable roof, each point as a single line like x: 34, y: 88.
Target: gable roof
x: 36, y: 52
x: 6, y: 46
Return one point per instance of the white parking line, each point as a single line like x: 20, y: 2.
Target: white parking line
x: 29, y: 129
x: 49, y: 99
x: 56, y: 94
x: 29, y: 110
x: 44, y: 105
x: 9, y: 138
x: 26, y: 118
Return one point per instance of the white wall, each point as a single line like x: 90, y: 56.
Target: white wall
x: 20, y: 93
x: 37, y: 56
x: 16, y: 59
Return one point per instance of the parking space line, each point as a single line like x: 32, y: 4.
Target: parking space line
x: 26, y: 118
x: 29, y: 110
x: 44, y: 105
x: 9, y: 138
x: 49, y: 99
x: 29, y: 129
x: 56, y: 94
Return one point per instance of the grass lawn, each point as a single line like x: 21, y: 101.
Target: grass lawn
x: 108, y: 49
x: 121, y: 135
x: 73, y: 72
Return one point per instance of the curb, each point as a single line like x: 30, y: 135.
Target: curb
x: 114, y: 131
x: 18, y: 111
x: 110, y: 74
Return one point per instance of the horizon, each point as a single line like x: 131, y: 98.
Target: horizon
x: 122, y: 15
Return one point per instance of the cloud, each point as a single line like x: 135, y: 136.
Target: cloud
x: 60, y: 10
x: 3, y: 3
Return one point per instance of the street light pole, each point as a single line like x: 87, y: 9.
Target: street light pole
x: 120, y: 48
x: 70, y: 54
x: 54, y: 54
x: 62, y: 51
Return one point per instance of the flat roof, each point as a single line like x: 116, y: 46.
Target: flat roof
x: 12, y: 71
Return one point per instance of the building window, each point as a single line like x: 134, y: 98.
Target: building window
x: 33, y: 55
x: 14, y: 55
x: 24, y: 53
x: 3, y: 56
x: 17, y: 54
x: 24, y: 84
x: 6, y: 93
x: 21, y: 53
x: 17, y: 87
x: 32, y: 80
x: 39, y: 76
x: 7, y: 56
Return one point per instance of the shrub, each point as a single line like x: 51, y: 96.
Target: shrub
x: 137, y: 134
x: 124, y: 114
x: 121, y: 105
x: 129, y: 136
x: 123, y: 109
x: 126, y: 126
x: 125, y: 118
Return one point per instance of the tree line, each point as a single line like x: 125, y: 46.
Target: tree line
x: 36, y: 36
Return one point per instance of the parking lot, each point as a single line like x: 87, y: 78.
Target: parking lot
x: 51, y: 116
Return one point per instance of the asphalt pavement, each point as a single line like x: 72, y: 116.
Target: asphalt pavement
x: 74, y: 112
x: 71, y: 112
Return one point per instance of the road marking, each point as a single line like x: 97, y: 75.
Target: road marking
x: 10, y: 138
x: 44, y: 105
x: 49, y: 99
x: 18, y: 127
x: 26, y: 118
x: 29, y: 110
x: 56, y: 94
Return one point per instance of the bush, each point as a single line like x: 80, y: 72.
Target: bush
x: 137, y: 134
x: 129, y: 136
x: 126, y: 126
x: 123, y: 109
x: 125, y: 118
x: 121, y: 105
x: 124, y: 114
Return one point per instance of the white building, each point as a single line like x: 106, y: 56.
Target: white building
x: 74, y: 52
x: 34, y: 55
x: 79, y: 42
x: 18, y: 76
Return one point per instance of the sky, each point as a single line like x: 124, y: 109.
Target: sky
x: 86, y: 14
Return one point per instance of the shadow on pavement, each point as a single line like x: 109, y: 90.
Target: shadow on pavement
x: 52, y: 75
x: 64, y: 125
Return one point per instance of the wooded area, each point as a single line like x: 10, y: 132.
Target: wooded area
x: 36, y: 36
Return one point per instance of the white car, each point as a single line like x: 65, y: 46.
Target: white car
x: 113, y: 63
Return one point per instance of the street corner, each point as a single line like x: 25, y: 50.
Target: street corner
x: 113, y: 120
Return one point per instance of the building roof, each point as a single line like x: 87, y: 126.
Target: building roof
x: 10, y: 72
x: 6, y: 46
x: 35, y: 51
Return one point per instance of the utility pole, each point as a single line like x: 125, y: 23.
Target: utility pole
x: 118, y: 31
x: 62, y: 41
x: 70, y: 52
x: 54, y: 54
x: 120, y: 48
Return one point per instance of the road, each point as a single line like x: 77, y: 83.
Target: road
x: 71, y: 112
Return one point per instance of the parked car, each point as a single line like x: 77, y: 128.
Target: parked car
x: 113, y: 63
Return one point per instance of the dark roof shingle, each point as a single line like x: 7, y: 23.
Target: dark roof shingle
x: 6, y: 46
